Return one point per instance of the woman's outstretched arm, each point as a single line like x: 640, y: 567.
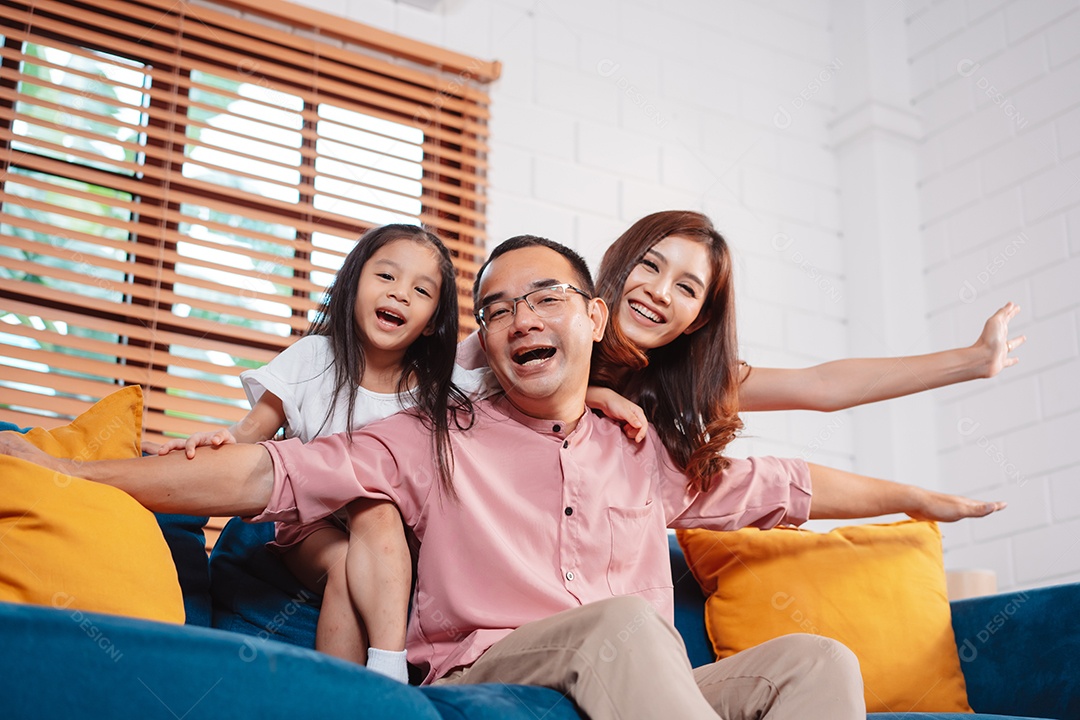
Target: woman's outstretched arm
x: 846, y: 383
x: 838, y: 494
x: 226, y: 480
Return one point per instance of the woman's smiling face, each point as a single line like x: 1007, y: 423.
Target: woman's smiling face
x: 664, y: 293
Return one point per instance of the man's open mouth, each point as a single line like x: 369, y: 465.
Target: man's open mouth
x: 389, y: 317
x: 534, y: 355
x: 645, y: 312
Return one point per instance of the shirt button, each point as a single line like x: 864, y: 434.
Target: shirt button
x: 569, y: 511
x: 556, y: 428
x: 569, y: 574
x: 565, y: 444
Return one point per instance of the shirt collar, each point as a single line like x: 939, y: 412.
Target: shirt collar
x: 544, y: 426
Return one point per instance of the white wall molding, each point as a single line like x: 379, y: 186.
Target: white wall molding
x: 875, y: 137
x: 872, y: 116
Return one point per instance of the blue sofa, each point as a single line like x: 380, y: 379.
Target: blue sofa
x: 245, y: 652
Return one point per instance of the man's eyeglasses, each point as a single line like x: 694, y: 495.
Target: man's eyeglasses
x: 545, y: 302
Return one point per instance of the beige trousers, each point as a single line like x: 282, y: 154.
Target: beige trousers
x: 619, y: 659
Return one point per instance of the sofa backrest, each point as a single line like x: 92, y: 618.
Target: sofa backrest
x: 243, y: 567
x: 689, y: 608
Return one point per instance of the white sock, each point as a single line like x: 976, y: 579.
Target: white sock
x: 388, y: 663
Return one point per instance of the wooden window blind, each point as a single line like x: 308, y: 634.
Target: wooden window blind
x: 179, y: 183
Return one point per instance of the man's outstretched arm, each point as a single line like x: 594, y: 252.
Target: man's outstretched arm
x: 839, y: 495
x: 226, y: 480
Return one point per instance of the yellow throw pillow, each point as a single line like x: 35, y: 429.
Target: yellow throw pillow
x: 878, y: 589
x: 82, y: 546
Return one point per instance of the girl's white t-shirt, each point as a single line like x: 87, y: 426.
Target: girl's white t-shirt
x: 302, y: 376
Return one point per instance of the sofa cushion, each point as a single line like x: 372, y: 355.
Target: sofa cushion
x: 945, y: 716
x: 254, y: 593
x: 187, y: 543
x: 879, y: 589
x: 1030, y: 635
x: 490, y: 701
x: 111, y: 429
x: 78, y: 545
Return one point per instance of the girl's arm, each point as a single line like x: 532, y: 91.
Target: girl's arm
x: 261, y: 423
x: 846, y: 383
x: 840, y: 495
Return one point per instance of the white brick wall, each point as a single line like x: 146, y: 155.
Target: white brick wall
x: 998, y: 90
x: 611, y: 109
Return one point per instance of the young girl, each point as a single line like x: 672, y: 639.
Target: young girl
x: 383, y: 340
x: 671, y: 346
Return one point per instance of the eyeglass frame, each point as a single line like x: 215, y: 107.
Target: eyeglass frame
x: 479, y: 314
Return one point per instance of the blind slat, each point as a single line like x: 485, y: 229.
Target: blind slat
x: 132, y: 375
x: 149, y: 335
x: 306, y: 170
x: 141, y: 45
x: 293, y: 302
x: 209, y: 24
x: 470, y: 133
x: 145, y: 292
x: 284, y: 212
x: 350, y: 31
x: 66, y: 407
x: 90, y: 346
x: 144, y: 313
x: 26, y: 419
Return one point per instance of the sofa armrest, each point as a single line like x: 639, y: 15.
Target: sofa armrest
x: 1020, y: 651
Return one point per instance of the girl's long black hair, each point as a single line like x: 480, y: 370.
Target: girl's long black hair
x: 428, y: 365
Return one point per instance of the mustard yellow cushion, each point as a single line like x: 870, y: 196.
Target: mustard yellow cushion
x: 78, y: 545
x: 878, y: 589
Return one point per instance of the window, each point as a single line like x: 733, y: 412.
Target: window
x: 179, y: 183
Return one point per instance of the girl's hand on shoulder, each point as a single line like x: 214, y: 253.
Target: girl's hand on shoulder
x: 995, y: 342
x: 616, y: 407
x: 214, y: 438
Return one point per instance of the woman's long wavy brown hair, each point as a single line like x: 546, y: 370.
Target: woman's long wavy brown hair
x: 689, y: 389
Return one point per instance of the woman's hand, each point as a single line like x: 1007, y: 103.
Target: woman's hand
x: 214, y: 438
x: 839, y: 494
x: 995, y: 343
x: 949, y: 508
x: 616, y: 407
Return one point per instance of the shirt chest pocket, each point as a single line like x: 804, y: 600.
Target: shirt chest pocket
x: 639, y: 550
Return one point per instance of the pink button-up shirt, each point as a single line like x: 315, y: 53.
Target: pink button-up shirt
x: 544, y: 520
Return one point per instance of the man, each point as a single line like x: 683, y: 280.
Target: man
x: 549, y: 567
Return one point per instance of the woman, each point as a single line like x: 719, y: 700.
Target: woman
x: 671, y: 346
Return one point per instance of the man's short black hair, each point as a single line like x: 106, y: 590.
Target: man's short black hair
x: 581, y: 269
